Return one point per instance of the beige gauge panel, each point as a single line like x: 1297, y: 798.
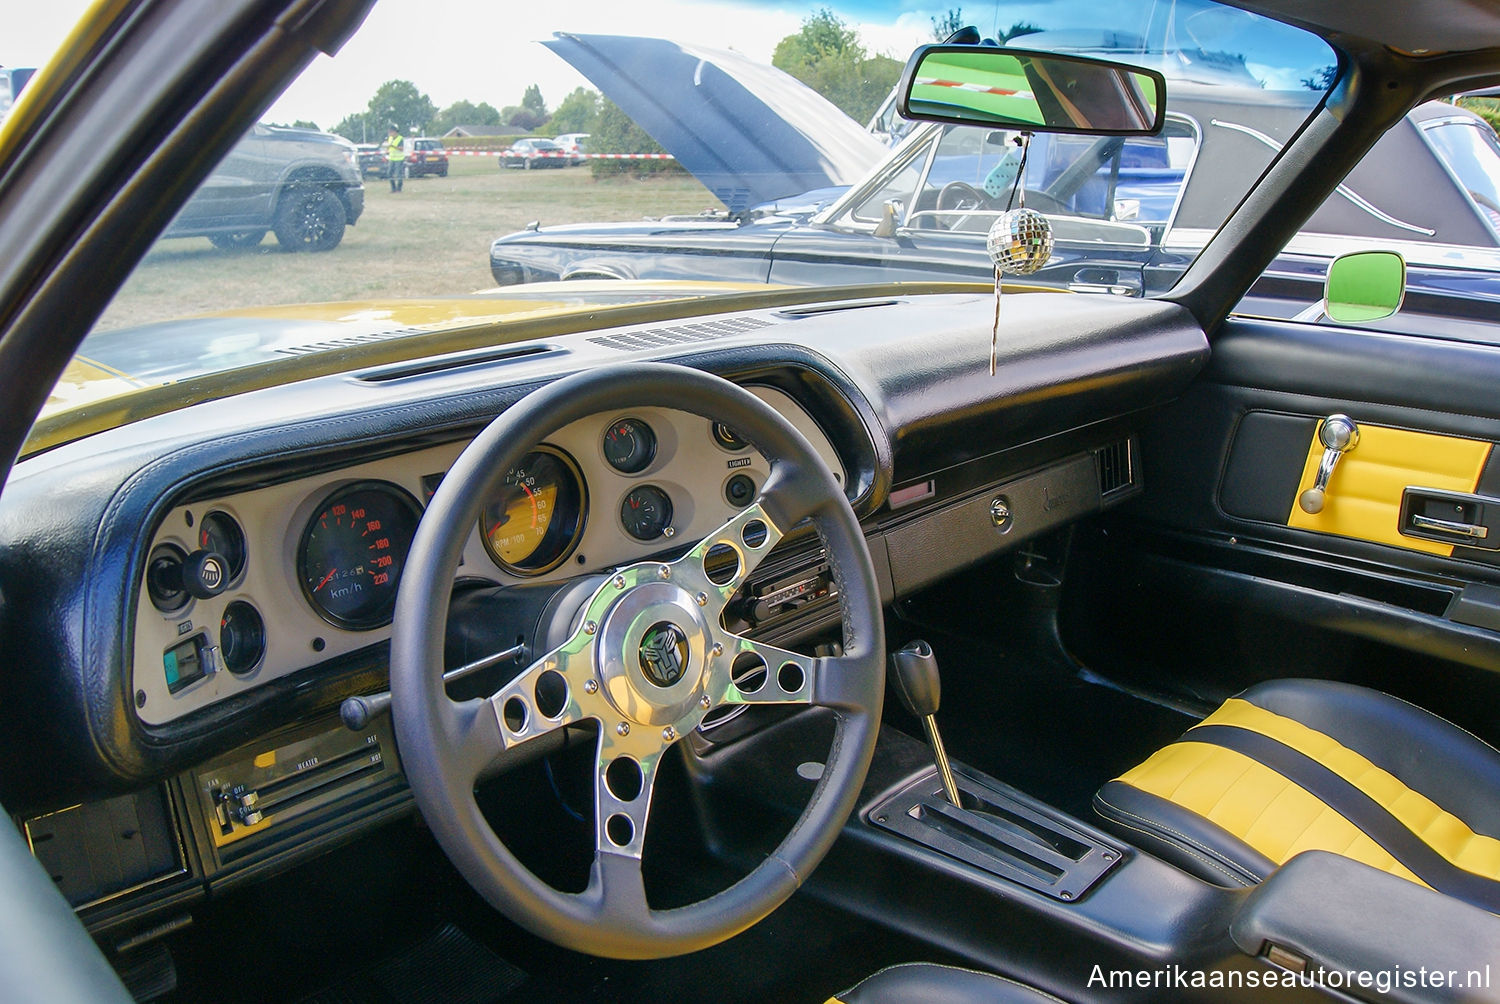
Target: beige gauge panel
x: 254, y: 586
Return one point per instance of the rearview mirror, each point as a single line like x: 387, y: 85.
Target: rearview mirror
x: 1364, y: 286
x: 1033, y: 91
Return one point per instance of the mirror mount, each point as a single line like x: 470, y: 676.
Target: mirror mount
x: 1031, y: 90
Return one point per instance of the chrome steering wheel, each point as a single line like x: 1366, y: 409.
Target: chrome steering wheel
x: 647, y: 658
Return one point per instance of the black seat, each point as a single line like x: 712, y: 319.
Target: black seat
x: 934, y: 984
x: 1295, y: 765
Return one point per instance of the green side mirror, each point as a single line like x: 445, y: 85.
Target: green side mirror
x: 1364, y: 286
x: 1034, y: 91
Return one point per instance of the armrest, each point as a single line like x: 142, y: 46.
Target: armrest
x: 1343, y: 917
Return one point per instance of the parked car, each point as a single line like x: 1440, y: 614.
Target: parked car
x: 573, y: 143
x: 371, y: 160
x: 304, y: 186
x: 1128, y: 215
x: 426, y: 156
x: 12, y: 79
x: 531, y: 153
x: 584, y: 641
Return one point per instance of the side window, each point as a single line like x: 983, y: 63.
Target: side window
x: 1471, y: 151
x: 898, y: 186
x: 973, y: 176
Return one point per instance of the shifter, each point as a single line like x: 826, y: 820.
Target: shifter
x: 915, y: 672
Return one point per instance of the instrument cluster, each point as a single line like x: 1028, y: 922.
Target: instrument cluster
x: 247, y: 588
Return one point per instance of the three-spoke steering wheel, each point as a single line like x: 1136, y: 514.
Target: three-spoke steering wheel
x: 646, y: 658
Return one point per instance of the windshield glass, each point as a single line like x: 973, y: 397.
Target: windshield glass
x: 388, y: 195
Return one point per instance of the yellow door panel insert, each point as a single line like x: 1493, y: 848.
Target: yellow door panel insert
x: 1364, y: 495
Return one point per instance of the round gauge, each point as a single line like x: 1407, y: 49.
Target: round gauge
x: 218, y: 532
x: 629, y: 446
x: 537, y: 519
x: 352, y: 553
x: 646, y: 512
x: 242, y: 637
x: 728, y: 438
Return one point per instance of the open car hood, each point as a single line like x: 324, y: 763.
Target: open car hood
x: 749, y: 132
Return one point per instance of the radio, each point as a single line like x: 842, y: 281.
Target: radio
x: 777, y: 596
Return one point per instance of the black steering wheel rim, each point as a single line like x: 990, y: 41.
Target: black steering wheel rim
x: 445, y: 744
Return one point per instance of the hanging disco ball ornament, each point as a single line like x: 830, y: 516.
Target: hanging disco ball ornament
x: 1020, y: 243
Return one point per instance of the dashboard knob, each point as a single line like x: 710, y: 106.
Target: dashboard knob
x: 205, y: 574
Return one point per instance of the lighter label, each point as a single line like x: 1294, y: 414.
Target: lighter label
x: 739, y: 462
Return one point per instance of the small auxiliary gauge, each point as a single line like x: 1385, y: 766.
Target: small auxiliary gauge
x: 646, y: 512
x: 629, y: 446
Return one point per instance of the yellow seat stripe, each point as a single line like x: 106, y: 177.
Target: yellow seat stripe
x: 1364, y: 495
x: 1259, y: 806
x: 1281, y: 819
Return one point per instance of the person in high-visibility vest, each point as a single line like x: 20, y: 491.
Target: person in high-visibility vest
x: 395, y: 158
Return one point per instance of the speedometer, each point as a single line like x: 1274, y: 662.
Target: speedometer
x: 352, y: 553
x: 538, y: 517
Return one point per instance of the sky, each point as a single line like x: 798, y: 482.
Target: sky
x: 486, y: 50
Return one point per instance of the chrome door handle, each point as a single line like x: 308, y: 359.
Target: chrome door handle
x: 1473, y: 530
x: 1339, y: 435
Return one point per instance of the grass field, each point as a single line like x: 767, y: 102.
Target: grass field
x: 431, y: 239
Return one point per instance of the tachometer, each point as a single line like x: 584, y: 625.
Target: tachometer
x: 352, y: 553
x: 538, y: 518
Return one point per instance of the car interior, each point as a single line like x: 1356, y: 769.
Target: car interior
x: 741, y: 647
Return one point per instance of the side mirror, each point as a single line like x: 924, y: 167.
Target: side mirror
x: 1033, y: 91
x: 1364, y: 286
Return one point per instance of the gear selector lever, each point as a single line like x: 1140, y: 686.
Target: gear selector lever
x: 915, y: 673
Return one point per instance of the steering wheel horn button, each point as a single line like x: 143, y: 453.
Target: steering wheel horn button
x: 664, y: 654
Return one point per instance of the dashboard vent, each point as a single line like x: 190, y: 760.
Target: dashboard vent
x: 1116, y: 464
x: 349, y: 341
x: 680, y: 334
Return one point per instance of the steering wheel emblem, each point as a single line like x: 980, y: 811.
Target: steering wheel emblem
x: 664, y: 653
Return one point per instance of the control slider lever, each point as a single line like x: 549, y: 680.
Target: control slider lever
x: 1339, y: 435
x: 914, y: 671
x: 359, y: 711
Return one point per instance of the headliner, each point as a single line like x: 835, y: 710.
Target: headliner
x: 1408, y: 25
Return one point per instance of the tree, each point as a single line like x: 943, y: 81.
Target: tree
x: 946, y: 25
x: 358, y: 127
x: 399, y: 103
x: 828, y: 56
x: 576, y: 113
x: 465, y: 113
x: 1018, y: 29
x: 613, y: 131
x: 305, y: 124
x: 532, y: 101
x: 521, y: 118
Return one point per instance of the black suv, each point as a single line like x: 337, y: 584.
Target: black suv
x: 304, y: 185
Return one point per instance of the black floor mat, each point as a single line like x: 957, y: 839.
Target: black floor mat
x: 446, y: 967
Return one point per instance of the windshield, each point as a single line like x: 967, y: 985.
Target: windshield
x: 387, y: 196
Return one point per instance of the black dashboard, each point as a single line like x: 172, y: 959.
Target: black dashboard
x: 193, y: 594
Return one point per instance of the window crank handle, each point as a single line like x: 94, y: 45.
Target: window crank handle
x: 1339, y: 435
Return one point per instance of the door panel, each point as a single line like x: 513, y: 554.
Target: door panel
x: 1216, y: 578
x: 1364, y: 496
